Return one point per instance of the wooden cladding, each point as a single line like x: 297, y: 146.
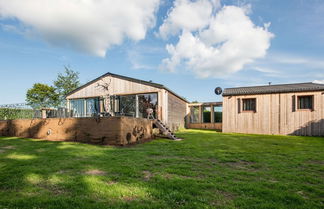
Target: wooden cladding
x: 276, y: 114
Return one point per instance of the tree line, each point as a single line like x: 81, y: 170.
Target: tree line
x: 50, y: 96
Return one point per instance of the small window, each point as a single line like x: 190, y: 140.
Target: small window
x: 249, y: 105
x: 305, y: 102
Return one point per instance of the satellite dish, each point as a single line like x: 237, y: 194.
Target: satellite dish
x: 218, y: 91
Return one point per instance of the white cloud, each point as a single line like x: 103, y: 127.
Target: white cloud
x: 296, y: 60
x: 222, y: 43
x: 319, y: 81
x: 187, y: 15
x: 92, y: 26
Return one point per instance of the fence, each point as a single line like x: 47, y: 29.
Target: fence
x: 23, y: 111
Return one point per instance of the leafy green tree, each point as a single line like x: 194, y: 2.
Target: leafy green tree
x: 65, y: 83
x: 42, y: 96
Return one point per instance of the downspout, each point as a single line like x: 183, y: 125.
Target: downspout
x: 279, y: 114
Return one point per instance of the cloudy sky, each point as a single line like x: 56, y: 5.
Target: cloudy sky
x: 190, y: 46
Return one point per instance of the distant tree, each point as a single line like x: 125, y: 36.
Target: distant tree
x: 66, y: 82
x: 42, y: 96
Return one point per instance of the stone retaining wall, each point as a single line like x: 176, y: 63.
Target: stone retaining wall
x: 111, y: 130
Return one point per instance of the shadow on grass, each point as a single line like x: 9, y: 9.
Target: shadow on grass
x: 47, y: 174
x: 206, y: 170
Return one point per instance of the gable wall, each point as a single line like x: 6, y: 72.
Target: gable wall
x: 177, y: 112
x: 117, y: 86
x: 121, y: 87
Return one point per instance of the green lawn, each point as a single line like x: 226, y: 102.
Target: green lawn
x: 205, y: 170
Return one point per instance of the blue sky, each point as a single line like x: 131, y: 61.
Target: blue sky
x: 29, y: 53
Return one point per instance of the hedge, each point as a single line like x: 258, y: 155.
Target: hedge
x: 11, y: 113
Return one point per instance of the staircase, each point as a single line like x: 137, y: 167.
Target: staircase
x: 165, y: 130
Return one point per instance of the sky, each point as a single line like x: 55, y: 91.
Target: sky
x: 190, y: 46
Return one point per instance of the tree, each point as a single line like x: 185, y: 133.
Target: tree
x: 65, y: 83
x: 42, y: 96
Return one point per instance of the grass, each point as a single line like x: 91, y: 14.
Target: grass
x: 206, y: 170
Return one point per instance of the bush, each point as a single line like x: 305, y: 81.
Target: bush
x: 11, y: 113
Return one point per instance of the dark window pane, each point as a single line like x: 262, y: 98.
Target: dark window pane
x: 218, y: 114
x: 206, y: 114
x: 249, y: 104
x: 305, y: 102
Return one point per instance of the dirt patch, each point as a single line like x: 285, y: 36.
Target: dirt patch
x: 95, y: 172
x: 147, y: 175
x: 172, y: 176
x: 111, y: 182
x: 302, y: 194
x: 129, y: 199
x: 9, y: 147
x: 242, y: 164
x: 54, y: 189
x: 62, y: 171
x: 167, y: 176
x: 316, y: 162
x: 227, y: 195
x: 273, y: 181
x: 222, y: 198
x: 40, y: 150
x: 2, y: 151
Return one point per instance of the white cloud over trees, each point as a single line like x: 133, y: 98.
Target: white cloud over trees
x: 91, y: 26
x: 219, y: 41
x: 202, y: 36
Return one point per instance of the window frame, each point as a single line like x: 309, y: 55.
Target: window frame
x: 137, y: 108
x: 298, y: 106
x: 255, y: 105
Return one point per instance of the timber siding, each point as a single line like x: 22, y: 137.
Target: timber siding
x: 172, y: 108
x: 117, y: 86
x: 274, y: 115
x: 177, y: 111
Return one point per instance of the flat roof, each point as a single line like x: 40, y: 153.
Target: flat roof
x: 272, y: 89
x: 206, y: 103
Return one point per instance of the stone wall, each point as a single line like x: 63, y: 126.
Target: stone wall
x: 111, y: 130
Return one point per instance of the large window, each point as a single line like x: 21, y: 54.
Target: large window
x: 305, y: 102
x: 127, y: 105
x: 77, y: 107
x: 194, y: 114
x: 218, y: 114
x: 84, y: 107
x: 249, y: 105
x: 206, y: 116
x: 92, y: 107
x: 147, y: 101
x: 135, y: 105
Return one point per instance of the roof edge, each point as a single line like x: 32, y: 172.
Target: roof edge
x: 156, y: 85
